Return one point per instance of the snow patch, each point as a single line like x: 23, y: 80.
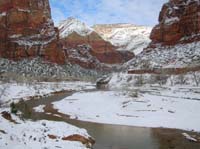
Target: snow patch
x: 24, y: 10
x: 71, y: 25
x: 187, y: 136
x: 169, y: 21
x: 2, y: 14
x: 39, y: 108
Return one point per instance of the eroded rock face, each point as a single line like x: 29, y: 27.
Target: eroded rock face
x: 81, y: 55
x: 179, y: 22
x: 104, y: 51
x: 27, y: 31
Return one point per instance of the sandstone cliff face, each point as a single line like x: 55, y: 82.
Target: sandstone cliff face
x: 27, y: 31
x: 104, y: 51
x: 179, y: 22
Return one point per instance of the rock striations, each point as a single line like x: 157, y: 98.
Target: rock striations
x: 179, y: 22
x: 27, y: 31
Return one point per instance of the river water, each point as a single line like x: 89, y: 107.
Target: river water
x: 110, y: 136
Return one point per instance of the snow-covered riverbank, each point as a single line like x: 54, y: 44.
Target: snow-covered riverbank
x: 175, y: 107
x: 15, y: 91
x: 42, y: 134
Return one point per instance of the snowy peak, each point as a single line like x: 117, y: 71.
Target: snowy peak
x: 126, y: 36
x: 71, y: 25
x: 110, y: 30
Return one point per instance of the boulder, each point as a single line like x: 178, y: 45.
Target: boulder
x: 88, y: 141
x: 102, y: 83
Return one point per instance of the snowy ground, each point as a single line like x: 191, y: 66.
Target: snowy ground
x: 15, y: 91
x: 170, y: 107
x: 21, y: 135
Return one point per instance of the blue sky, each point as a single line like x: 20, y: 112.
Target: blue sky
x: 140, y: 12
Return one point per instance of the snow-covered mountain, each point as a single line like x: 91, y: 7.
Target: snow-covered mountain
x: 125, y: 36
x: 74, y: 33
x: 71, y: 25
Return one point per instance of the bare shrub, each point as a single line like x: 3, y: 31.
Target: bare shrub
x: 3, y: 89
x: 196, y: 78
x: 139, y: 80
x: 182, y: 79
x: 161, y: 79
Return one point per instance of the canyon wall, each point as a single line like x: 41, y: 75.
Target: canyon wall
x: 27, y: 31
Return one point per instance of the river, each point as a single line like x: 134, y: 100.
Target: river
x: 110, y: 136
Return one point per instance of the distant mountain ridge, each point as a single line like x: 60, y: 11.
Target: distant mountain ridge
x: 74, y: 33
x: 126, y: 37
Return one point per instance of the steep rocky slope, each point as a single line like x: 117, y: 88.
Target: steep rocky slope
x: 27, y: 31
x: 74, y: 33
x: 175, y: 41
x: 38, y: 69
x: 125, y: 36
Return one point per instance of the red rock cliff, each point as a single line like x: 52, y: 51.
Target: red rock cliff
x: 104, y: 51
x: 179, y: 22
x: 28, y: 31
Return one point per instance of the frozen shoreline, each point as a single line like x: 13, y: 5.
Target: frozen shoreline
x: 13, y: 92
x: 37, y: 136
x: 170, y: 108
x: 21, y: 135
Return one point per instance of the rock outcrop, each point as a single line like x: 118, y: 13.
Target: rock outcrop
x: 81, y: 55
x: 179, y: 22
x: 27, y: 31
x: 104, y: 51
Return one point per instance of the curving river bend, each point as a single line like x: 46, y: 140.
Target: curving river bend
x: 110, y: 136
